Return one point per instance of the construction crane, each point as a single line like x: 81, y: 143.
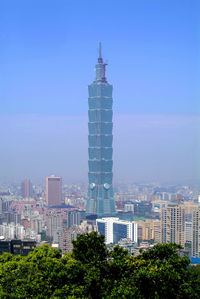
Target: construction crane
x: 179, y: 198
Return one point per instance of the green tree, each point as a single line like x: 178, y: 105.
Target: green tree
x: 90, y: 248
x: 91, y: 271
x: 157, y: 273
x: 91, y: 251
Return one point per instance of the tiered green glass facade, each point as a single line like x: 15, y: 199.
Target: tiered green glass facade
x: 100, y: 200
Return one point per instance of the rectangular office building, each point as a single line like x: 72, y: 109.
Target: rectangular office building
x: 53, y: 190
x: 115, y: 229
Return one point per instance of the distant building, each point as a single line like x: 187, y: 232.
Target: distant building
x: 60, y: 219
x: 129, y: 245
x: 1, y: 205
x: 196, y: 233
x: 149, y: 230
x: 190, y: 206
x: 129, y: 207
x: 36, y: 225
x: 17, y: 247
x: 188, y: 232
x: 17, y: 231
x: 53, y: 190
x: 143, y: 208
x: 157, y: 231
x: 54, y: 222
x: 73, y: 218
x: 157, y: 205
x: 115, y: 229
x: 11, y: 217
x: 12, y: 231
x: 26, y: 189
x: 72, y: 233
x: 144, y: 246
x: 173, y: 224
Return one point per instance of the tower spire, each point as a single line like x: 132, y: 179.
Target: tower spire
x: 100, y: 50
x: 100, y: 60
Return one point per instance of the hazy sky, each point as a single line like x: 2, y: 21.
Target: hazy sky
x: 48, y: 50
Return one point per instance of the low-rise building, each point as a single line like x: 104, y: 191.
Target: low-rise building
x: 17, y: 246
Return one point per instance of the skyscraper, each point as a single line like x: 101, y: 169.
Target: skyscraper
x: 53, y: 190
x: 100, y: 200
x: 26, y: 189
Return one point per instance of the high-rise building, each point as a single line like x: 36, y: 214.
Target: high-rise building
x: 26, y: 189
x: 115, y: 229
x: 73, y: 218
x: 53, y: 190
x: 188, y: 232
x: 157, y: 231
x: 100, y: 200
x: 54, y: 225
x: 173, y: 224
x: 1, y: 205
x: 196, y: 233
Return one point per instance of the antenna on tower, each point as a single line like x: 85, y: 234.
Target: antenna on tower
x: 100, y: 60
x: 100, y: 50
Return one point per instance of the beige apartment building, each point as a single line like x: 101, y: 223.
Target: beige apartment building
x: 190, y: 206
x: 173, y: 224
x: 149, y: 230
x: 196, y: 233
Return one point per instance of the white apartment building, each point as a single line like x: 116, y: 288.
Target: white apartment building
x: 115, y: 229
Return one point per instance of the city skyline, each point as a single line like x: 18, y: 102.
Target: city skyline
x: 99, y: 162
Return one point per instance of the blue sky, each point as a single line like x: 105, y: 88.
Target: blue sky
x: 147, y: 148
x: 48, y: 50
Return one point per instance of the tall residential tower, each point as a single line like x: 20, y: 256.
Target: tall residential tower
x: 173, y: 224
x: 100, y: 200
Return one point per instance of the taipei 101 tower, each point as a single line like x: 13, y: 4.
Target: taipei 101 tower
x: 100, y: 200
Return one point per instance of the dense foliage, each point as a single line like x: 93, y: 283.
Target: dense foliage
x: 91, y: 271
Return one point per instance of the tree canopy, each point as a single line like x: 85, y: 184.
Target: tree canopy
x: 91, y: 271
